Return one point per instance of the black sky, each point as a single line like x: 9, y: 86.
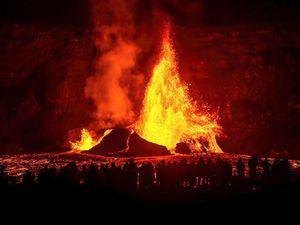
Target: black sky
x: 208, y: 12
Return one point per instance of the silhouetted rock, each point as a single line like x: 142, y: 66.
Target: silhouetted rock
x: 119, y: 142
x: 182, y: 148
x: 114, y: 142
x: 140, y: 147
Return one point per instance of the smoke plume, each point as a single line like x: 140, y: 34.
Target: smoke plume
x: 108, y: 86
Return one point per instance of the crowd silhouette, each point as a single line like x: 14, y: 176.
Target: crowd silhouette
x: 198, y: 182
x: 162, y: 176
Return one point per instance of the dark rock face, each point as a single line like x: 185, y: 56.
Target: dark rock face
x: 120, y: 142
x: 182, y: 148
x: 43, y: 72
x: 140, y: 147
x: 112, y: 143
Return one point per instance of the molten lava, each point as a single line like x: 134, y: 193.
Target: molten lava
x: 169, y: 116
x: 87, y: 141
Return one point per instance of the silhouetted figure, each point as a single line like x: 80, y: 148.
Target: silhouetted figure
x: 126, y: 175
x: 92, y: 177
x: 210, y: 172
x: 201, y: 172
x: 157, y: 169
x: 183, y: 168
x: 48, y: 178
x: 219, y: 172
x: 227, y: 172
x: 113, y: 175
x: 70, y: 176
x: 84, y: 173
x: 119, y: 177
x: 266, y: 167
x: 252, y: 164
x: 275, y: 168
x: 131, y: 172
x: 192, y: 174
x: 177, y: 175
x: 173, y: 179
x: 286, y: 169
x: 143, y: 176
x: 240, y: 167
x: 162, y: 174
x: 103, y: 176
x: 28, y: 179
x: 4, y: 178
x: 149, y: 174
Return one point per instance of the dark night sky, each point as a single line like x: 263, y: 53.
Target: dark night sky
x: 209, y: 12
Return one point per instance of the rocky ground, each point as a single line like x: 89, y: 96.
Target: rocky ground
x: 16, y: 165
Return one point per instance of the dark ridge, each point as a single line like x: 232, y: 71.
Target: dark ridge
x: 140, y: 147
x: 182, y: 148
x: 114, y: 142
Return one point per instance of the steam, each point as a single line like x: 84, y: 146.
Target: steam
x: 115, y: 62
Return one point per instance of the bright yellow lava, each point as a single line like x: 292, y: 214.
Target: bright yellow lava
x: 169, y: 115
x: 86, y: 141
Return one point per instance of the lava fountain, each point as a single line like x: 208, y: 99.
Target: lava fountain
x: 87, y: 140
x: 169, y: 115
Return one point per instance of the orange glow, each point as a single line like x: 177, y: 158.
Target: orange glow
x: 169, y: 115
x: 87, y: 141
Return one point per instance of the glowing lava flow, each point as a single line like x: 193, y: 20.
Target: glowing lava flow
x: 169, y: 115
x: 86, y: 141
